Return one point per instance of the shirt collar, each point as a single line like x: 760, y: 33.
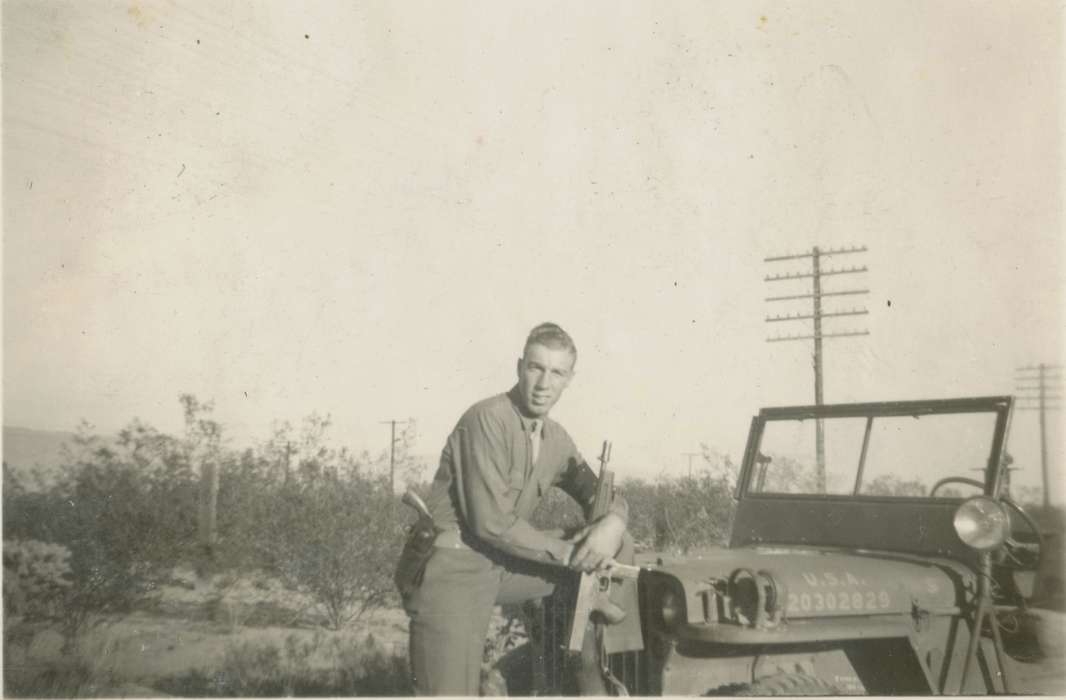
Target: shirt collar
x: 527, y: 422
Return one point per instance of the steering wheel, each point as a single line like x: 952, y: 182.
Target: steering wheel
x: 954, y: 480
x: 1014, y: 545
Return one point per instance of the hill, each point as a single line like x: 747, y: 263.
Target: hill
x: 27, y: 449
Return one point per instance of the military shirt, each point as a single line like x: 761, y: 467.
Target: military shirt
x: 480, y: 487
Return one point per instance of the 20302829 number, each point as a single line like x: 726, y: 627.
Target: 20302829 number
x: 857, y: 601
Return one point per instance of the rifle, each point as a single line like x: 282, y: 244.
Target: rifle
x: 595, y: 587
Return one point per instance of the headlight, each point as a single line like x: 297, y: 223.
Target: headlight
x: 672, y: 608
x: 981, y: 523
x: 756, y: 598
x: 743, y: 593
x: 668, y: 600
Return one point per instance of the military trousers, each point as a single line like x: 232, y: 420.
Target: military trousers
x: 450, y: 614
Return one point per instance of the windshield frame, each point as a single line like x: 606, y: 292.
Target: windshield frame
x: 1000, y: 406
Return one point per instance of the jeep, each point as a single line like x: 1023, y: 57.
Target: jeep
x: 872, y: 549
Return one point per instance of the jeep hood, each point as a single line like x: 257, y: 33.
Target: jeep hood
x: 821, y: 583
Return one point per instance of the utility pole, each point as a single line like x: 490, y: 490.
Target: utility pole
x: 816, y: 316
x: 1039, y: 388
x: 690, y: 455
x: 392, y: 453
x: 208, y: 512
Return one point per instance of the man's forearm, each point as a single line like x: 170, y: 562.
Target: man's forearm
x: 523, y: 540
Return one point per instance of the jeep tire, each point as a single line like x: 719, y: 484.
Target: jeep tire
x: 787, y: 684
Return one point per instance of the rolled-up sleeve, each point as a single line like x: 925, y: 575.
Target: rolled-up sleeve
x: 482, y: 459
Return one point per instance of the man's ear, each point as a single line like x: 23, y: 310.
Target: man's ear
x: 518, y: 368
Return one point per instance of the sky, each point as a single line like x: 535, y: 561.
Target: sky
x: 360, y: 209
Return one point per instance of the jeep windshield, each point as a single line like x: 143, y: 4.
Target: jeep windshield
x: 878, y: 450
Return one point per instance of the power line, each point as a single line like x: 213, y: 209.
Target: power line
x: 820, y: 253
x: 797, y: 317
x: 824, y: 294
x: 782, y: 338
x: 817, y: 315
x: 822, y: 273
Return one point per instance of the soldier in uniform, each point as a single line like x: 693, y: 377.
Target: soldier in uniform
x: 501, y: 458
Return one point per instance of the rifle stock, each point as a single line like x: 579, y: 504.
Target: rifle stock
x: 595, y: 586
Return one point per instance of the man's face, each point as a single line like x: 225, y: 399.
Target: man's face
x: 543, y: 373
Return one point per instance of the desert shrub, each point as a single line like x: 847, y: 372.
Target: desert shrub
x: 117, y: 550
x: 37, y: 580
x: 37, y: 577
x: 676, y: 513
x: 66, y: 677
x: 257, y: 669
x: 302, y: 667
x: 335, y: 539
x: 680, y: 513
x: 320, y: 519
x: 119, y: 509
x: 892, y: 485
x: 366, y: 668
x: 262, y: 669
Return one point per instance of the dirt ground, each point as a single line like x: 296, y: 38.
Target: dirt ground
x: 182, y: 634
x: 191, y: 628
x: 1047, y: 676
x: 145, y: 647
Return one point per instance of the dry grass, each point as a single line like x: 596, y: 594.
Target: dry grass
x: 229, y: 638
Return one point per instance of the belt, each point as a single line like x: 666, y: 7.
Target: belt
x: 450, y: 539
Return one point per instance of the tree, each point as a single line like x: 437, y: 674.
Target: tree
x: 782, y: 474
x: 122, y: 508
x: 203, y: 449
x: 892, y: 485
x: 319, y: 518
x: 686, y: 512
x: 335, y: 539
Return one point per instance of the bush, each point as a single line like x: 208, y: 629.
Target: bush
x: 683, y: 513
x: 120, y: 511
x: 301, y: 667
x: 37, y: 581
x: 315, y: 517
x: 128, y: 511
x: 680, y: 514
x: 670, y: 513
x: 335, y: 539
x: 37, y: 578
x: 68, y: 677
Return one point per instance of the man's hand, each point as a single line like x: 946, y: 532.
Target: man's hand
x: 598, y: 543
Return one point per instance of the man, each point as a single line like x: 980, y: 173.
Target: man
x: 498, y: 462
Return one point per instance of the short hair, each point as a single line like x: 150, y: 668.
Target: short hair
x: 550, y: 335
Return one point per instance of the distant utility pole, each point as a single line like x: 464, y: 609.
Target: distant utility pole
x: 690, y: 455
x: 208, y: 513
x: 1039, y: 388
x: 817, y: 314
x: 392, y: 453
